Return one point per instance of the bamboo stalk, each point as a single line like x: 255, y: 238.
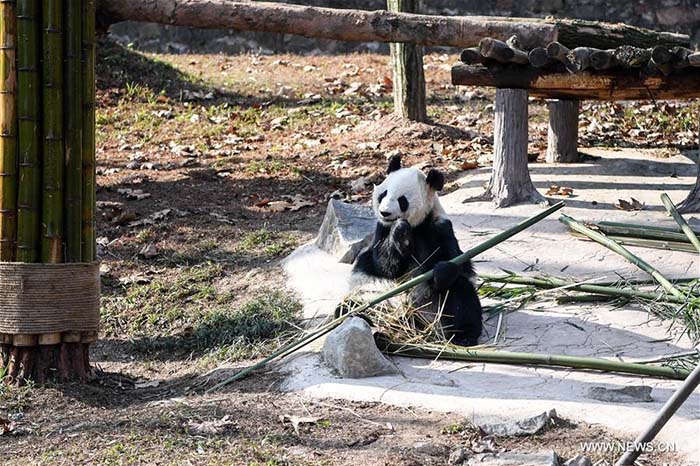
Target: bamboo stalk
x: 641, y: 232
x: 29, y: 112
x: 8, y: 129
x: 551, y: 282
x: 52, y: 218
x: 615, y: 247
x: 88, y: 221
x: 682, y: 224
x: 318, y: 333
x: 73, y: 144
x: 453, y: 353
x: 648, y: 243
x: 643, y: 227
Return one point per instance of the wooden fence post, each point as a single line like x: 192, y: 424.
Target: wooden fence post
x: 407, y: 65
x: 562, y: 136
x: 510, y: 180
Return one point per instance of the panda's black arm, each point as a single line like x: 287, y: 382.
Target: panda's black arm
x: 445, y: 273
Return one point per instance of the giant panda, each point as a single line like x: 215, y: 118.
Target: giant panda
x: 412, y: 236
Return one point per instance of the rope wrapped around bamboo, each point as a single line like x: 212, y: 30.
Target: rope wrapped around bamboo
x: 48, y: 298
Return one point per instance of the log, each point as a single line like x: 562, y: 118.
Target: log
x: 680, y: 57
x: 378, y: 26
x: 560, y: 52
x: 603, y: 60
x: 510, y: 181
x: 580, y: 57
x: 694, y: 59
x: 632, y: 57
x: 501, y: 52
x: 407, y: 66
x: 539, y: 58
x: 471, y: 56
x: 562, y: 136
x: 608, y: 85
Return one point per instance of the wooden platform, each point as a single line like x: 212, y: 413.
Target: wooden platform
x: 631, y: 84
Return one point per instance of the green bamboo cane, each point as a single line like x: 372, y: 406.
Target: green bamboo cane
x: 8, y: 129
x: 643, y: 227
x: 461, y: 259
x: 88, y: 156
x: 682, y: 224
x: 641, y: 232
x: 52, y: 217
x: 649, y: 243
x: 73, y: 110
x: 29, y: 110
x: 453, y: 353
x: 551, y: 282
x: 615, y: 247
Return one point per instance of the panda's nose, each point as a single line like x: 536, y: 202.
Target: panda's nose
x: 385, y: 214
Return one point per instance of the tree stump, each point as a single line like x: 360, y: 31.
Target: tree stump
x: 510, y: 181
x: 562, y: 137
x: 407, y: 65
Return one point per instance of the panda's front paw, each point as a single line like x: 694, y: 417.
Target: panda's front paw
x: 401, y: 234
x: 445, y: 273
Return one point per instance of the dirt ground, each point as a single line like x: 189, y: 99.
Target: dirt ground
x: 210, y: 169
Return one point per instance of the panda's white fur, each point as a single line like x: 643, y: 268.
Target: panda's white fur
x: 411, y: 183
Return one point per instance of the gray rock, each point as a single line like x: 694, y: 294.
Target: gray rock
x: 346, y: 229
x: 629, y: 394
x: 351, y: 351
x: 430, y: 448
x: 579, y: 460
x: 458, y: 456
x: 521, y: 427
x: 549, y: 458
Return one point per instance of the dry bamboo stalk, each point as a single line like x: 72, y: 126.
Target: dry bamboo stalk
x: 29, y: 110
x: 88, y: 156
x: 682, y: 224
x: 8, y: 129
x: 73, y: 148
x: 52, y: 218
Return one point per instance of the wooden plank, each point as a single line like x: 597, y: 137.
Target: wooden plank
x: 608, y: 85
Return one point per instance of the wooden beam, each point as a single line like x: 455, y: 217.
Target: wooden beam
x: 379, y: 26
x: 608, y: 85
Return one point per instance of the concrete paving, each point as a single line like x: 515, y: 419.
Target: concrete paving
x: 490, y: 391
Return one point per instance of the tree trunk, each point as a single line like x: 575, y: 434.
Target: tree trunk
x: 378, y: 26
x: 407, y: 64
x: 617, y: 84
x: 510, y: 180
x: 562, y: 137
x: 691, y: 204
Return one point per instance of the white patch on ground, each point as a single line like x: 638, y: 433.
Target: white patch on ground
x: 491, y: 391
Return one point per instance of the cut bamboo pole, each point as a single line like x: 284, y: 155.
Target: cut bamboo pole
x: 88, y: 154
x: 318, y: 333
x: 453, y: 353
x: 655, y: 244
x: 29, y: 112
x: 73, y: 148
x: 52, y: 217
x: 602, y: 289
x: 8, y: 129
x: 682, y: 224
x: 642, y: 227
x: 641, y: 232
x: 615, y: 247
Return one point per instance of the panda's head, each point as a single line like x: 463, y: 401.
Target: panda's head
x: 406, y: 193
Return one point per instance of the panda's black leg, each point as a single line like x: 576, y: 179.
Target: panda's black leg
x: 463, y: 306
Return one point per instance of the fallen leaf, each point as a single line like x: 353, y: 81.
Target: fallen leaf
x: 218, y: 426
x: 630, y: 205
x: 555, y: 190
x: 296, y: 421
x: 293, y: 203
x: 149, y: 251
x: 469, y: 165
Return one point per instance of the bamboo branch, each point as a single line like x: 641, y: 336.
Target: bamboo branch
x: 615, y: 247
x: 682, y: 224
x: 602, y: 289
x: 461, y: 259
x: 453, y: 353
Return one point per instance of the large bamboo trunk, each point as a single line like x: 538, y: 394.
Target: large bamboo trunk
x: 379, y: 26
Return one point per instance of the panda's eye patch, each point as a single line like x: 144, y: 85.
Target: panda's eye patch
x: 381, y: 196
x: 403, y: 203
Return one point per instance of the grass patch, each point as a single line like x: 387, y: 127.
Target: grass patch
x: 188, y: 313
x: 266, y: 242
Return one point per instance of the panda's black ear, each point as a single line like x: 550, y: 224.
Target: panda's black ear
x: 394, y: 164
x: 435, y: 179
